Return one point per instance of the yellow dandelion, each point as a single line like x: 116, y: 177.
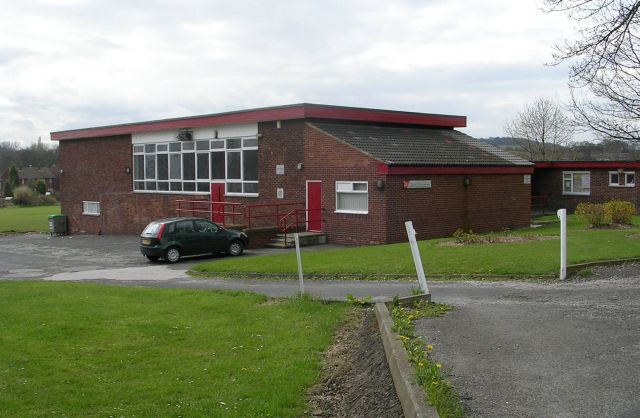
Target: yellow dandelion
x: 429, y: 347
x: 438, y: 365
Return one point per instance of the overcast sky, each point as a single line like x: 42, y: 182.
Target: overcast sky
x: 70, y: 63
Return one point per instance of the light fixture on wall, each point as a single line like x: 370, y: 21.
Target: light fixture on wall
x: 380, y: 184
x: 128, y: 170
x: 467, y: 181
x: 61, y: 171
x: 300, y: 166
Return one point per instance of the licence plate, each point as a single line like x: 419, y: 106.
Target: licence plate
x: 146, y: 241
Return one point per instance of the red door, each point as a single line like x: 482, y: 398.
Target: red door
x: 314, y: 205
x: 217, y: 195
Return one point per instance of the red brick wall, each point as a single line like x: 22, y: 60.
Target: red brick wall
x: 549, y: 181
x: 490, y: 203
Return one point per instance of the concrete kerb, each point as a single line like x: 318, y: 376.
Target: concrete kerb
x: 412, y: 396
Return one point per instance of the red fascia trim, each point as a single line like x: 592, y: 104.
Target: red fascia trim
x: 384, y: 116
x: 299, y: 111
x: 588, y: 164
x: 405, y: 171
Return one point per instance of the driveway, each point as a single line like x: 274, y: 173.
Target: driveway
x: 540, y: 350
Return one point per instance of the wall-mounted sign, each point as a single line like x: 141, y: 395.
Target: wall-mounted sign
x: 417, y: 184
x: 527, y: 179
x: 280, y: 193
x: 280, y: 169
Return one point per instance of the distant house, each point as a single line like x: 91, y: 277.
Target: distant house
x: 354, y: 174
x: 564, y: 184
x: 30, y: 176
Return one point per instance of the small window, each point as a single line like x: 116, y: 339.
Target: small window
x: 614, y: 178
x: 630, y: 179
x: 576, y: 183
x: 622, y: 179
x: 234, y: 143
x: 91, y: 208
x: 352, y: 197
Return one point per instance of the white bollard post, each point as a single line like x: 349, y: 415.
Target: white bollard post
x: 300, y: 276
x: 562, y: 215
x: 411, y: 233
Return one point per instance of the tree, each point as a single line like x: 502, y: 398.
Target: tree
x: 12, y: 181
x: 603, y: 60
x: 540, y: 129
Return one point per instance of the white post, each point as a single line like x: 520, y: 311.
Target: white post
x: 562, y: 214
x: 411, y: 233
x: 300, y: 277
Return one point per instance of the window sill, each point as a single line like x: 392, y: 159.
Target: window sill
x: 626, y: 186
x: 243, y: 195
x: 352, y: 212
x: 575, y: 194
x: 90, y: 214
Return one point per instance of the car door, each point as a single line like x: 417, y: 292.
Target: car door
x: 186, y: 236
x: 210, y: 237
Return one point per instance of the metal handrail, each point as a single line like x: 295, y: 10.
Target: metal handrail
x: 249, y: 216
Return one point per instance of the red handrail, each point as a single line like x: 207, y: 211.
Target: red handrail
x: 248, y: 215
x: 285, y: 226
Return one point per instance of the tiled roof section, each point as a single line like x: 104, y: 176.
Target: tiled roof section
x: 415, y: 146
x: 34, y: 173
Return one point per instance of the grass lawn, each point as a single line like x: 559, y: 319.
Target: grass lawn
x: 529, y: 257
x: 69, y: 349
x: 26, y: 219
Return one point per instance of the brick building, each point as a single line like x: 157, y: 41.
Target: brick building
x: 564, y: 184
x: 355, y: 174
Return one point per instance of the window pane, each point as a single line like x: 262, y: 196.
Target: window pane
x: 175, y: 146
x: 581, y: 182
x: 217, y: 144
x: 150, y: 185
x: 567, y: 185
x: 163, y: 185
x: 150, y: 148
x: 250, y: 142
x: 138, y: 185
x: 163, y: 167
x: 188, y: 166
x: 176, y: 167
x: 250, y: 165
x: 614, y: 178
x: 360, y: 186
x: 630, y: 179
x: 217, y: 165
x: 176, y: 186
x: 234, y: 187
x: 162, y: 147
x: 187, y: 146
x: 150, y: 167
x: 356, y: 202
x: 250, y: 187
x: 138, y: 148
x: 233, y: 165
x: 189, y: 186
x: 203, y: 187
x: 233, y: 143
x: 203, y: 165
x: 202, y: 145
x: 138, y: 167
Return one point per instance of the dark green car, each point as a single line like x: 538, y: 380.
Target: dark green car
x: 174, y: 238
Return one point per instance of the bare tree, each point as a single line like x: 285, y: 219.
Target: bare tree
x: 603, y: 60
x: 540, y: 129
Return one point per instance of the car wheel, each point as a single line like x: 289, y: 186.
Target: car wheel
x: 153, y: 258
x: 172, y: 254
x: 235, y: 248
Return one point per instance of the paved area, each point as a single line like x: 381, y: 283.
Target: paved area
x: 539, y: 350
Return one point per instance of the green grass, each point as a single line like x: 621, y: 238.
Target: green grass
x: 97, y: 351
x: 26, y: 219
x: 520, y: 258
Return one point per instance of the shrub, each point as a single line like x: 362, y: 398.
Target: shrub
x: 620, y: 211
x: 45, y: 200
x: 41, y: 187
x: 593, y: 213
x: 467, y: 237
x: 24, y: 196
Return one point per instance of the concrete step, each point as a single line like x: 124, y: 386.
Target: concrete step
x: 305, y: 238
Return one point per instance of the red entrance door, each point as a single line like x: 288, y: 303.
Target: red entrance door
x: 217, y: 195
x: 314, y: 205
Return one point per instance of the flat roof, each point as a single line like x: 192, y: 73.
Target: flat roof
x: 287, y: 112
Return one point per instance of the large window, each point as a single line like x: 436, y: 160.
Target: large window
x: 628, y: 179
x: 191, y: 166
x: 576, y: 182
x: 352, y: 197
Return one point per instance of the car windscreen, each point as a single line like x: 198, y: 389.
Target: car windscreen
x: 151, y: 230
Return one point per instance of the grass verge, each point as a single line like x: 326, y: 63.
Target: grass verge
x: 528, y: 257
x: 26, y: 219
x: 70, y: 349
x: 440, y: 393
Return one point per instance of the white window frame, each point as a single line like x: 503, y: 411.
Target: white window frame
x: 624, y: 175
x: 86, y: 208
x: 572, y: 173
x: 352, y: 191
